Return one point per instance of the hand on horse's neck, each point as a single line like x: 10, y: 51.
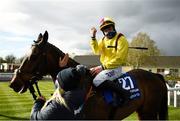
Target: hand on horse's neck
x: 70, y: 63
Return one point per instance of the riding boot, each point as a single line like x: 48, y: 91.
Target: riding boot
x: 119, y: 91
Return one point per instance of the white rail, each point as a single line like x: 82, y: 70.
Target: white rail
x: 176, y: 91
x: 6, y: 76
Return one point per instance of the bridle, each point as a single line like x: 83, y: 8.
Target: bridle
x: 37, y: 73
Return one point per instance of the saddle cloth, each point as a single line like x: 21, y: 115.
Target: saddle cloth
x: 128, y: 83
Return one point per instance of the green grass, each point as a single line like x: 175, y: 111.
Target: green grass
x: 174, y: 114
x: 14, y: 106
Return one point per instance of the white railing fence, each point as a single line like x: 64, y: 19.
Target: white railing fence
x: 8, y: 77
x: 176, y: 91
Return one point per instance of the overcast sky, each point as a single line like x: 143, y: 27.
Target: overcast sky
x: 68, y: 23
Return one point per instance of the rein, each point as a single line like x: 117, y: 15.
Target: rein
x: 38, y: 75
x: 32, y: 90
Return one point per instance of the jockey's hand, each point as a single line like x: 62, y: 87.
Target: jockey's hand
x: 63, y: 62
x: 96, y: 70
x: 93, y: 32
x: 42, y: 98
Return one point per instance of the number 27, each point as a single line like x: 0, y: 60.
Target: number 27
x: 126, y: 85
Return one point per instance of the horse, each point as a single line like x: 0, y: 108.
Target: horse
x: 44, y: 58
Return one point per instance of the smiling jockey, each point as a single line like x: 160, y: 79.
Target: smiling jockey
x: 113, y: 50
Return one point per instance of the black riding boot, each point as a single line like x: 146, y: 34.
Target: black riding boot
x: 119, y: 91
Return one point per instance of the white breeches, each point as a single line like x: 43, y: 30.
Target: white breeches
x: 108, y: 74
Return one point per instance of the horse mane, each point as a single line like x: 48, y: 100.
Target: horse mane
x: 59, y: 52
x: 71, y: 62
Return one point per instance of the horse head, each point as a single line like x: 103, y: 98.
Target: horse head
x: 42, y: 59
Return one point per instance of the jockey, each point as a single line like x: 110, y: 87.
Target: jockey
x: 113, y: 50
x: 64, y: 105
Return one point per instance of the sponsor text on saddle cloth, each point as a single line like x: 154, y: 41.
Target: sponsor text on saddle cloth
x: 128, y: 83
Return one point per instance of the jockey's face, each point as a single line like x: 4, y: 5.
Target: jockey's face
x: 108, y: 29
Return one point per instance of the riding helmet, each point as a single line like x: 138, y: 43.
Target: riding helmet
x: 106, y: 21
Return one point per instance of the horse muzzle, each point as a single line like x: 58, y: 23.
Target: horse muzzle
x: 18, y: 86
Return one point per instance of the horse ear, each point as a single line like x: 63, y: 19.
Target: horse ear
x: 40, y: 36
x: 45, y: 36
x: 38, y: 39
x: 44, y: 39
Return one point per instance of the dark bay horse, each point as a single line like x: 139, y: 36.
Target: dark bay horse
x: 44, y: 59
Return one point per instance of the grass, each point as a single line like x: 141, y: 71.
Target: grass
x: 14, y: 106
x: 173, y: 114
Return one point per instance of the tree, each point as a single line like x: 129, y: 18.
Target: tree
x: 136, y: 57
x: 19, y: 60
x: 10, y: 59
x: 1, y: 60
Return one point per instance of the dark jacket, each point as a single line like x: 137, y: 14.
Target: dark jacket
x: 54, y: 110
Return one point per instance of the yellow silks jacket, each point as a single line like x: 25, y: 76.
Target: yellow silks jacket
x: 109, y: 56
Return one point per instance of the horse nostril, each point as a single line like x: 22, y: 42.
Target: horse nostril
x: 11, y: 84
x: 15, y: 86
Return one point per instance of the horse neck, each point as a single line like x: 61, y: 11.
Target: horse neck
x: 71, y: 63
x: 57, y: 54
